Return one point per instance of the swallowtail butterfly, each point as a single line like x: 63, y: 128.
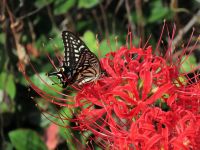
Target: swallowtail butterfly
x: 80, y: 65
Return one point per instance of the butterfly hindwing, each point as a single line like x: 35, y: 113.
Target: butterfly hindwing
x: 88, y: 68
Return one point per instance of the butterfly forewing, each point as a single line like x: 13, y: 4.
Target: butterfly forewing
x: 73, y: 48
x: 80, y: 65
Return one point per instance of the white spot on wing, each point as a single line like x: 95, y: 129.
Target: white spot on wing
x: 81, y: 47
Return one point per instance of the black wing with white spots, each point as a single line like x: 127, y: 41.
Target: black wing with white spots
x: 73, y: 48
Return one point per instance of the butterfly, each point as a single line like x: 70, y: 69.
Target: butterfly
x: 80, y: 65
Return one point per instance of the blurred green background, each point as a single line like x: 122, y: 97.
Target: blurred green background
x: 34, y: 28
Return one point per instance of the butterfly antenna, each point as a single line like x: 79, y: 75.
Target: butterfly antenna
x: 52, y: 74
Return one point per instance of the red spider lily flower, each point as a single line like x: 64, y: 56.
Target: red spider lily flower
x: 122, y: 110
x: 143, y: 102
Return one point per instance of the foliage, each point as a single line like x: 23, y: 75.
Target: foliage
x: 26, y: 139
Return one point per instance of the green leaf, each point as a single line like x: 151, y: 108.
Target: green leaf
x: 2, y: 38
x: 54, y: 44
x: 41, y: 3
x: 43, y: 80
x: 90, y: 40
x: 158, y: 12
x: 65, y: 133
x: 107, y: 46
x: 50, y: 45
x: 87, y: 3
x: 83, y: 24
x: 189, y: 63
x: 23, y: 139
x: 5, y: 107
x: 7, y: 83
x: 62, y: 6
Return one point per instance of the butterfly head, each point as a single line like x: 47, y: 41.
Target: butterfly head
x: 62, y: 75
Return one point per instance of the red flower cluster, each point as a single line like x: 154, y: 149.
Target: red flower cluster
x: 143, y: 102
